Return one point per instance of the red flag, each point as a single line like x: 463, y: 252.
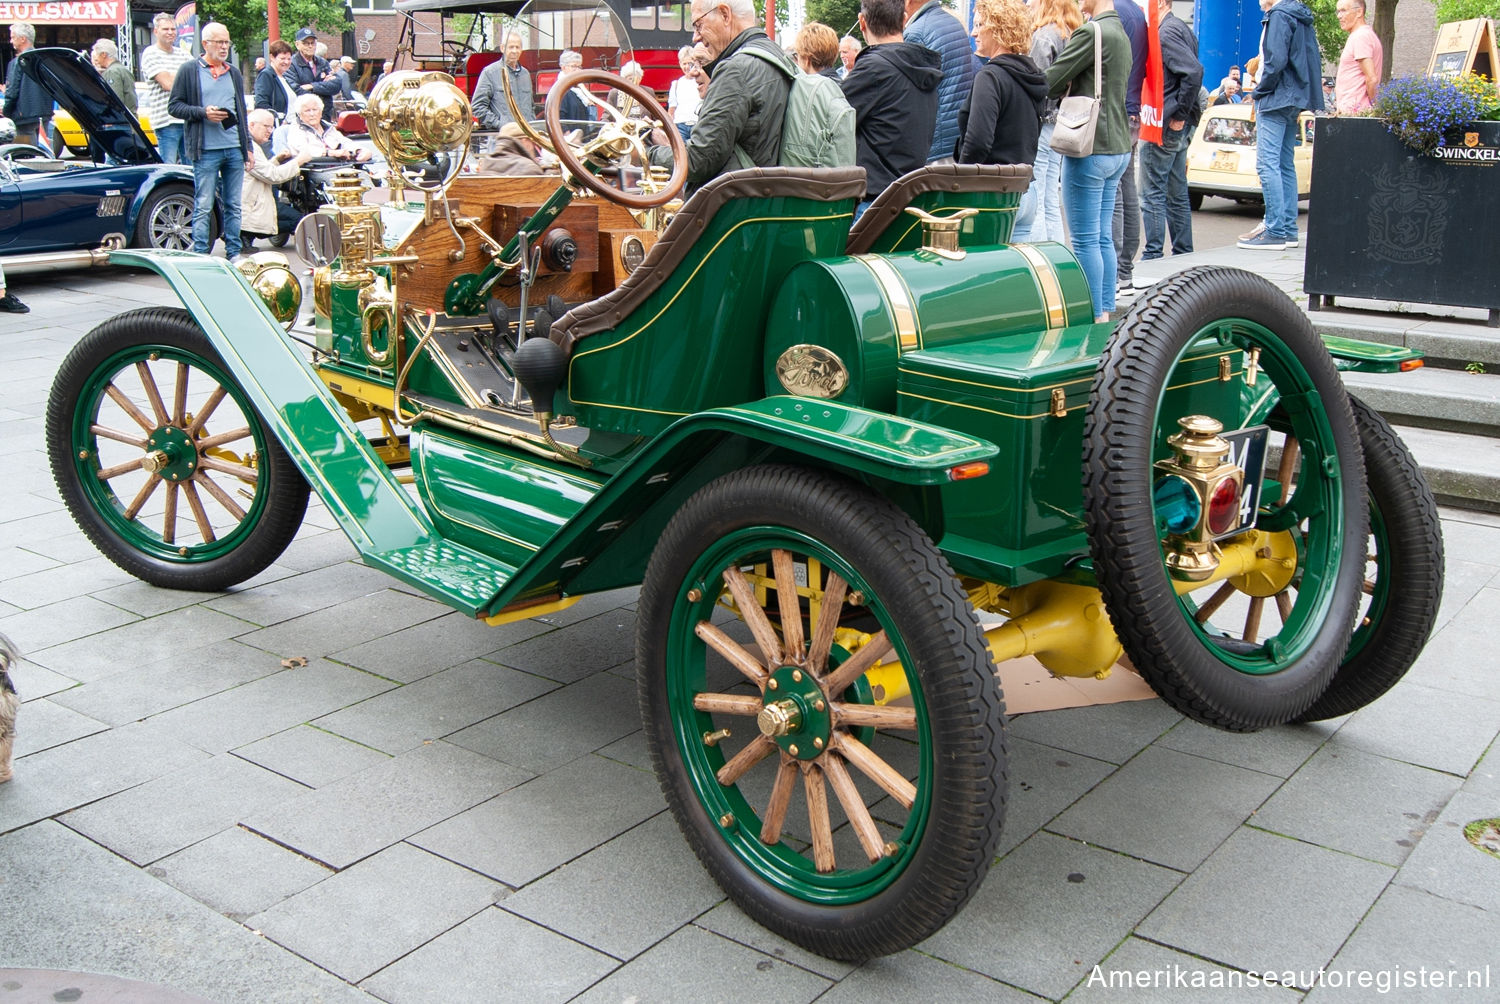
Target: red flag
x: 1151, y: 87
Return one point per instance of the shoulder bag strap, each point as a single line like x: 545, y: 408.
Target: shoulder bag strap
x: 1098, y: 62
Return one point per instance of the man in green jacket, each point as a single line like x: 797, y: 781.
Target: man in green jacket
x: 106, y: 57
x: 739, y: 122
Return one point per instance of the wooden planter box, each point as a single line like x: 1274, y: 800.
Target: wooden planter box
x: 1386, y: 223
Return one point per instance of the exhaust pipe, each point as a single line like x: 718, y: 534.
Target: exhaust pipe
x: 51, y: 261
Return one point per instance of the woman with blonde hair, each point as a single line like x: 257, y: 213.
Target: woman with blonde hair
x: 1001, y: 119
x: 1052, y: 22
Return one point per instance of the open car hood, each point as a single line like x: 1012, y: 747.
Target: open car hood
x: 74, y: 84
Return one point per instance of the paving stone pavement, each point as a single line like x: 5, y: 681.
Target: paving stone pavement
x: 433, y: 810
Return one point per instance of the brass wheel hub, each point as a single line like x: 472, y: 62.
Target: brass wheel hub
x: 796, y: 714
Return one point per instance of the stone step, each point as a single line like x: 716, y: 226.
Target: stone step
x: 1450, y: 400
x: 1463, y: 470
x: 1445, y: 343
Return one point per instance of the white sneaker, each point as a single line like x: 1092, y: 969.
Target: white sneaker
x: 1260, y: 228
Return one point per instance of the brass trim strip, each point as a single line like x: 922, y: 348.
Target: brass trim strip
x: 898, y: 297
x: 1048, y: 283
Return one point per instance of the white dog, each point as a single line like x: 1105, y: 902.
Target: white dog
x: 10, y: 703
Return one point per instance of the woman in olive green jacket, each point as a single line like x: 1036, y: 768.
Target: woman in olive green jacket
x: 1090, y: 183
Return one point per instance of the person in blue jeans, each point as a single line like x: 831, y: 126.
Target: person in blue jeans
x: 1090, y: 183
x: 209, y: 96
x: 1164, y: 192
x: 1290, y: 81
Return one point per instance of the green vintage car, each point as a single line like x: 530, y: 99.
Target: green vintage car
x: 851, y: 468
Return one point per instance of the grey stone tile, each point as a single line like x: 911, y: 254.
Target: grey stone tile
x: 530, y: 830
x: 20, y: 504
x: 142, y: 642
x: 436, y: 706
x: 61, y: 583
x: 86, y: 770
x: 729, y: 920
x: 1043, y: 782
x: 624, y: 896
x: 1430, y: 728
x: 348, y: 623
x: 1168, y: 807
x: 492, y: 950
x: 631, y: 751
x: 17, y: 561
x: 426, y: 648
x: 1278, y: 751
x: 358, y: 815
x: 1409, y: 932
x: 1048, y: 911
x: 1462, y: 580
x: 397, y: 900
x: 1262, y: 900
x: 33, y: 682
x: 88, y: 910
x: 46, y: 626
x: 1139, y: 971
x: 67, y: 548
x: 310, y: 755
x: 43, y: 724
x: 1445, y: 864
x: 1358, y: 803
x: 181, y: 678
x: 1111, y: 732
x: 559, y: 726
x: 319, y: 550
x: 296, y: 595
x: 147, y: 600
x: 272, y: 703
x: 154, y: 819
x: 694, y: 965
x: 1484, y: 779
x: 1459, y: 658
x: 237, y: 873
x: 912, y: 976
x: 579, y: 650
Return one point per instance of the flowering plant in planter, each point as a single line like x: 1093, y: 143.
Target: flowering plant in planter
x: 1422, y: 111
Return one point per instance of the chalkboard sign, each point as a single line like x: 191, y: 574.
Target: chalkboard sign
x: 1464, y: 47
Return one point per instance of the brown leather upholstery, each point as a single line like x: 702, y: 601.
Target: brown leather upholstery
x: 828, y: 184
x: 891, y: 203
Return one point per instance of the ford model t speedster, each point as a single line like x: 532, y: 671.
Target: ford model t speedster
x: 852, y: 470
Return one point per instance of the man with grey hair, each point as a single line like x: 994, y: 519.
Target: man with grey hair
x: 159, y: 65
x: 490, y: 106
x: 344, y: 68
x: 26, y: 102
x: 849, y: 47
x: 739, y: 122
x: 106, y: 56
x: 209, y: 96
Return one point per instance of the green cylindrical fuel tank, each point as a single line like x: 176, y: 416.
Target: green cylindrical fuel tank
x: 838, y: 326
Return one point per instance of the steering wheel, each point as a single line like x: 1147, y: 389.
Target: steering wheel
x: 458, y: 53
x: 616, y: 138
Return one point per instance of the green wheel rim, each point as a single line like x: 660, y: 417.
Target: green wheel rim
x: 1378, y: 587
x: 98, y: 447
x: 1314, y: 512
x: 729, y: 808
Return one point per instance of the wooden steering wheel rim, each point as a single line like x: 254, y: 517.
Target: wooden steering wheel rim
x: 587, y: 178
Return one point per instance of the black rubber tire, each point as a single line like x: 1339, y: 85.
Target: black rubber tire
x: 1408, y: 548
x: 171, y: 195
x: 921, y: 594
x: 276, y: 522
x: 1119, y: 449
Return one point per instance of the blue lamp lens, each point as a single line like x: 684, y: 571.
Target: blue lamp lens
x: 1176, y: 503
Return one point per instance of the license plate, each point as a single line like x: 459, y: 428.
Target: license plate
x: 1226, y: 160
x: 1247, y: 451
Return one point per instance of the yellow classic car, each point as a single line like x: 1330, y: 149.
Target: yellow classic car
x: 1221, y: 156
x: 71, y: 134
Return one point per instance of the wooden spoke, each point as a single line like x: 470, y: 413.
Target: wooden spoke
x: 1287, y: 468
x: 196, y: 504
x: 754, y: 752
x: 129, y: 438
x: 1369, y: 587
x: 220, y: 495
x: 877, y: 648
x: 731, y: 650
x: 876, y: 769
x: 829, y: 608
x: 1252, y: 619
x: 240, y: 471
x: 727, y: 704
x: 179, y: 395
x: 219, y: 393
x: 1214, y: 602
x: 148, y: 384
x: 781, y: 797
x: 854, y: 807
x: 874, y: 716
x: 140, y: 499
x: 128, y: 406
x: 118, y: 469
x: 789, y: 604
x: 755, y: 617
x: 169, y: 521
x: 817, y: 815
x: 231, y: 436
x: 1284, y: 605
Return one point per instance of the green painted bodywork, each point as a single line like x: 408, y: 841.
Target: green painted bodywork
x: 1368, y: 357
x: 993, y: 223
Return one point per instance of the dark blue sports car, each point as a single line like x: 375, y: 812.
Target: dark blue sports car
x: 120, y: 194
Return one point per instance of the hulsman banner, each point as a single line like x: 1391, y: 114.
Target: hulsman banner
x: 64, y: 11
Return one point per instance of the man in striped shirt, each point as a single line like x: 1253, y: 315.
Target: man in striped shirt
x: 159, y: 65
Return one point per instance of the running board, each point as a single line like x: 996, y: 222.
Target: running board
x: 458, y: 576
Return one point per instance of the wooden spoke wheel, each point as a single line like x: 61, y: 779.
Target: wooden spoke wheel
x: 822, y: 710
x: 162, y: 460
